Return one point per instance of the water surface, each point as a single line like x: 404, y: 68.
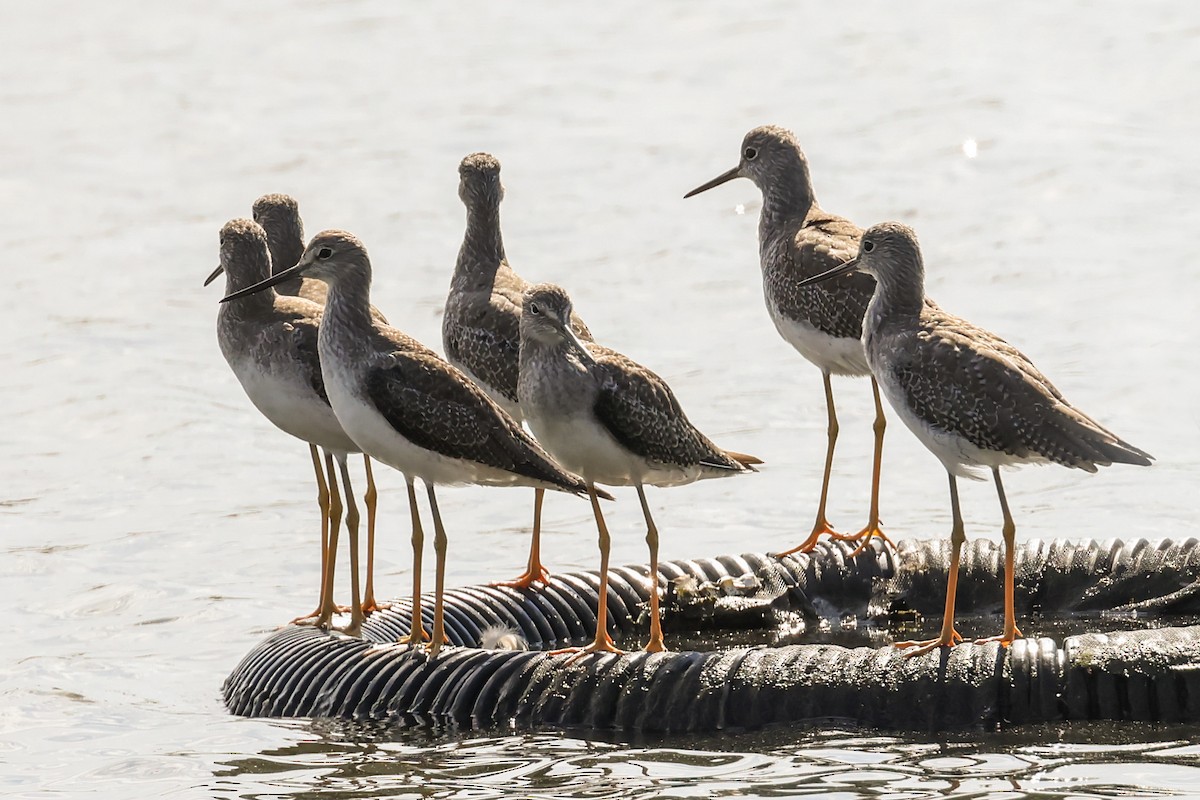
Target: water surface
x: 155, y: 527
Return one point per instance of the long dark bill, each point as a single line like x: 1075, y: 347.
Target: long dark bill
x: 840, y: 269
x: 277, y: 278
x: 214, y: 275
x: 724, y: 177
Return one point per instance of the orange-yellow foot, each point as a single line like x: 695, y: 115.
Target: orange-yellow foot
x: 527, y: 578
x: 371, y: 606
x: 822, y: 528
x: 864, y: 538
x: 932, y: 644
x: 601, y: 645
x: 418, y: 638
x: 1005, y: 639
x: 315, y: 617
x: 655, y: 646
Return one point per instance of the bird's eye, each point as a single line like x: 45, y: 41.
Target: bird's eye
x: 533, y: 309
x: 868, y: 246
x: 750, y: 153
x: 324, y: 253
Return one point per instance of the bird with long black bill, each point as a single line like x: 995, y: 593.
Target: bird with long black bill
x: 798, y: 239
x: 407, y: 407
x: 279, y: 216
x: 974, y: 400
x: 614, y: 422
x: 270, y: 343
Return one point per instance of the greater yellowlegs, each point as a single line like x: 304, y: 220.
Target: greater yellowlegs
x: 407, y: 407
x: 279, y: 216
x: 270, y: 342
x: 481, y: 329
x: 611, y: 420
x: 973, y: 400
x: 797, y: 239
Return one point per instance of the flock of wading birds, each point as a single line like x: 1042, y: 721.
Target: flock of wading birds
x: 322, y: 364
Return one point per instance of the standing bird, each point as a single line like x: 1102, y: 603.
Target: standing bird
x: 481, y: 329
x: 270, y: 342
x: 973, y: 400
x: 614, y: 422
x: 407, y: 407
x: 796, y: 240
x: 279, y: 216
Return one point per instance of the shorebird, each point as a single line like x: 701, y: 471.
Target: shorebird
x: 798, y: 239
x: 279, y: 216
x: 614, y: 422
x: 270, y: 342
x: 975, y: 401
x: 481, y: 329
x: 407, y: 407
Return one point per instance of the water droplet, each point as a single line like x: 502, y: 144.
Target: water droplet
x: 739, y: 209
x: 970, y: 148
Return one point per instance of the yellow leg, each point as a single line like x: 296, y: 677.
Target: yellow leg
x: 417, y: 634
x: 439, y: 587
x: 821, y: 525
x: 535, y: 572
x: 873, y: 527
x: 1011, y: 633
x: 655, y: 645
x: 356, y: 612
x: 328, y: 609
x: 603, y: 643
x: 323, y: 503
x: 369, y: 604
x: 949, y: 636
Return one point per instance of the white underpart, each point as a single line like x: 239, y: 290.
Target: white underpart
x: 581, y: 444
x: 292, y: 405
x: 837, y: 355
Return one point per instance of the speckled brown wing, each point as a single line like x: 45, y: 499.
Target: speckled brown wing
x: 958, y: 381
x: 482, y: 333
x: 834, y: 307
x: 641, y: 412
x: 436, y: 407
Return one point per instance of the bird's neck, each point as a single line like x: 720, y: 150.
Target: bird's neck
x: 898, y: 299
x: 286, y: 253
x: 786, y: 202
x: 482, y: 250
x: 347, y: 316
x: 251, y: 304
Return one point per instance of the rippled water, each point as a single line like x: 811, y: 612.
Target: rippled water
x: 155, y: 527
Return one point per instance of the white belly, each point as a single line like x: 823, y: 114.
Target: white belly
x: 838, y: 355
x: 581, y: 446
x: 293, y: 407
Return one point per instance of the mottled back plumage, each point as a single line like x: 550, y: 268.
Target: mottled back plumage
x: 481, y: 327
x: 639, y: 409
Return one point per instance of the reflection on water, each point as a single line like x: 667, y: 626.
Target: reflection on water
x: 353, y: 760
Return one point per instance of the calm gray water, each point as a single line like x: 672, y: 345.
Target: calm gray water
x: 155, y: 527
